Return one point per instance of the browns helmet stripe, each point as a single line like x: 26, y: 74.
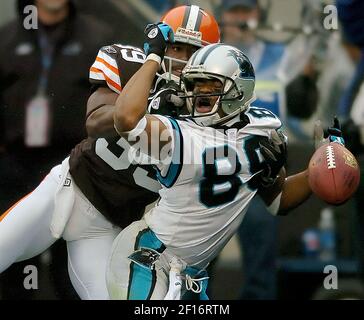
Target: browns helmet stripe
x: 186, y: 15
x: 192, y: 19
x: 199, y: 19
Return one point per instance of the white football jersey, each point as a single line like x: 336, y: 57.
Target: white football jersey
x: 209, y: 184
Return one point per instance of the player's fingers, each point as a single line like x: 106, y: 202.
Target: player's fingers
x: 276, y: 140
x: 337, y: 123
x: 283, y: 145
x: 266, y: 153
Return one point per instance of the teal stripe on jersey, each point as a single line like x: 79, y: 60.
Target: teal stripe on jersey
x: 177, y: 159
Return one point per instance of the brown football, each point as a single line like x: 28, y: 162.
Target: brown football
x: 333, y: 173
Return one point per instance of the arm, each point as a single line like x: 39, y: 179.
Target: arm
x: 130, y: 120
x: 100, y: 113
x: 131, y: 105
x: 280, y: 193
x: 295, y: 191
x: 289, y: 191
x: 129, y: 117
x: 109, y: 73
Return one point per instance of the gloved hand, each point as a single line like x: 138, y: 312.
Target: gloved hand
x: 157, y: 36
x: 167, y: 101
x: 274, y: 151
x: 332, y: 134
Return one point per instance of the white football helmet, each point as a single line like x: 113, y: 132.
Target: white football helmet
x: 228, y: 65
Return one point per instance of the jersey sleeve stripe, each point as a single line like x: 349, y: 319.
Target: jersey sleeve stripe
x: 177, y: 159
x: 96, y: 74
x: 111, y: 83
x: 99, y: 66
x: 108, y: 65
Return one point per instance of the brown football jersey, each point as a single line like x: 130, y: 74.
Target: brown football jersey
x: 100, y: 167
x: 118, y: 189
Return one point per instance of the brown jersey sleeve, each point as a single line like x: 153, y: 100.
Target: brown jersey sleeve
x: 115, y: 65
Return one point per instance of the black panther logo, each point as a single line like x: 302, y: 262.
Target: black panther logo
x: 246, y: 68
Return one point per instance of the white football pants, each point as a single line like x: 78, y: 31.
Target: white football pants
x: 134, y: 280
x: 25, y: 233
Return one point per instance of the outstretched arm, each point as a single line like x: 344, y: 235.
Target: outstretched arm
x: 286, y: 193
x: 295, y: 191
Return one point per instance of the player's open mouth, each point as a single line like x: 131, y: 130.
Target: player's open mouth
x: 203, y: 105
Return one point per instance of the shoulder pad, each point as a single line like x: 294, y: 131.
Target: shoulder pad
x: 260, y: 121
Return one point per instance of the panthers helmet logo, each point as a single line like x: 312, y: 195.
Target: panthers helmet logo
x: 242, y: 60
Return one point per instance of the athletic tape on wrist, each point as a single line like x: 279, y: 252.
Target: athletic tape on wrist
x: 139, y: 128
x: 154, y: 57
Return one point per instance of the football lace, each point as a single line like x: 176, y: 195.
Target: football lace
x: 330, y: 157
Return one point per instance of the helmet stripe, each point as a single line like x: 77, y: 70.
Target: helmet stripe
x: 199, y: 20
x: 194, y: 58
x: 186, y: 15
x: 192, y: 19
x: 208, y: 51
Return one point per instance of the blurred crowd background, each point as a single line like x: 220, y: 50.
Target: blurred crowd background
x: 308, y: 67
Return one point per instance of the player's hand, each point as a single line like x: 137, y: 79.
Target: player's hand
x: 157, y: 37
x: 166, y: 102
x: 331, y: 134
x: 274, y: 151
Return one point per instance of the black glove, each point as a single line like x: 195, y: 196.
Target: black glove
x: 274, y: 151
x: 334, y: 133
x: 157, y: 36
x: 331, y: 134
x: 167, y: 101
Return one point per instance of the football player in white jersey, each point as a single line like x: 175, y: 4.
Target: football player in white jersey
x: 87, y: 199
x: 210, y: 165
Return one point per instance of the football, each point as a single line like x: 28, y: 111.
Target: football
x: 333, y: 173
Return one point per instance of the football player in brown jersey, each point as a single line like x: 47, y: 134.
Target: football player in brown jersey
x: 97, y: 190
